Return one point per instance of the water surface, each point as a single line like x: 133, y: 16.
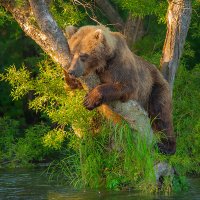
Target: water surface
x: 34, y: 185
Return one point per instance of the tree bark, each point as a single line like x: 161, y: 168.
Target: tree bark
x: 51, y: 30
x: 178, y: 21
x: 112, y: 15
x: 132, y: 28
x: 51, y: 39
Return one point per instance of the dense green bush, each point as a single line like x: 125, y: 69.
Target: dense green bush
x: 144, y: 8
x: 9, y: 130
x: 186, y: 119
x: 20, y: 147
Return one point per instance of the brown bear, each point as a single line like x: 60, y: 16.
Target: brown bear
x: 123, y: 76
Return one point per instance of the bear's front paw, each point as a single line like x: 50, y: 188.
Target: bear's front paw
x: 168, y: 148
x: 93, y: 99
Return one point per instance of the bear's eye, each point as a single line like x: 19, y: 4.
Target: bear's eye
x: 83, y: 56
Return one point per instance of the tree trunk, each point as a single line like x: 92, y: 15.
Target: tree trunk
x: 112, y: 15
x: 132, y: 28
x: 178, y: 21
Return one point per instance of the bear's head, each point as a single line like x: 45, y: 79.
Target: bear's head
x: 91, y: 47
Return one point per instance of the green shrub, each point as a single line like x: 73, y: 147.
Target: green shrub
x: 9, y: 131
x: 30, y: 147
x: 20, y: 147
x: 186, y: 119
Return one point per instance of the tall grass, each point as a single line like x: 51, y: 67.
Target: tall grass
x: 116, y: 158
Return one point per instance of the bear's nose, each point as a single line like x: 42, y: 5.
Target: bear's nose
x: 72, y: 72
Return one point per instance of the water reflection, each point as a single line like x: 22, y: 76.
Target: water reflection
x: 34, y: 185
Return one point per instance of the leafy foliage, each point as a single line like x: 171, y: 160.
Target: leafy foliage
x: 19, y: 81
x: 4, y: 16
x: 192, y: 51
x: 9, y: 132
x: 17, y: 149
x: 144, y: 8
x: 30, y: 147
x: 51, y: 98
x: 66, y: 13
x: 186, y: 119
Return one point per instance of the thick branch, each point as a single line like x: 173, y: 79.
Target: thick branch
x: 178, y: 21
x: 50, y: 28
x: 52, y: 45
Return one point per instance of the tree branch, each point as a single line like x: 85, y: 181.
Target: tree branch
x: 50, y: 28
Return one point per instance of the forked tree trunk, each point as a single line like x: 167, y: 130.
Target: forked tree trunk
x: 178, y: 21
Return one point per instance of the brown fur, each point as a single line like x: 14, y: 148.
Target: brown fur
x: 124, y: 76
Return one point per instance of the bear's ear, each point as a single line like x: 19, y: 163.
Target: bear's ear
x: 69, y: 31
x: 98, y: 34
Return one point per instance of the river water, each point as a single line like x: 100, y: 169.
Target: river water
x: 34, y: 185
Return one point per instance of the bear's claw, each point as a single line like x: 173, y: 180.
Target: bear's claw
x: 92, y: 100
x: 168, y: 149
